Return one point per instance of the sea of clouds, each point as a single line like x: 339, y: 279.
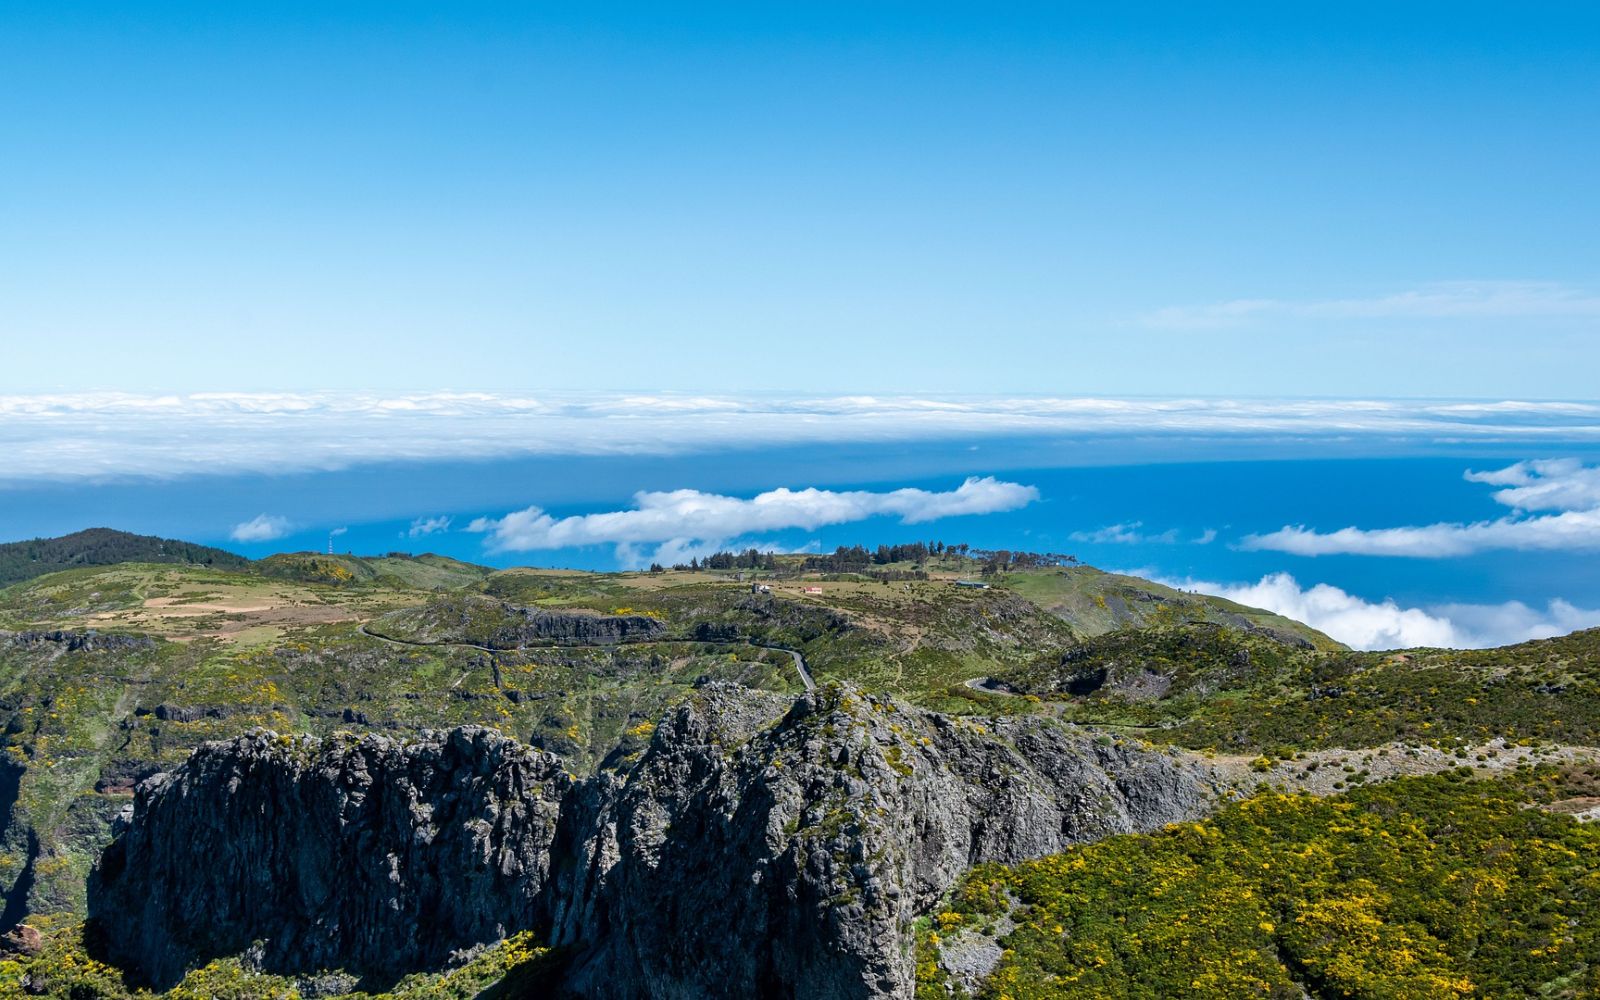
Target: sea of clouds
x: 112, y: 435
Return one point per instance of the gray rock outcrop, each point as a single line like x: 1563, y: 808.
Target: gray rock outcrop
x: 758, y: 847
x: 364, y: 853
x: 533, y: 625
x: 88, y: 641
x: 792, y: 863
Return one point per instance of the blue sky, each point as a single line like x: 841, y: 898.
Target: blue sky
x: 1235, y: 296
x: 1350, y: 200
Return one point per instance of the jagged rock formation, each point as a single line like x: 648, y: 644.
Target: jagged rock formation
x: 792, y: 863
x: 578, y: 629
x: 71, y: 642
x: 501, y: 625
x: 749, y: 851
x: 361, y: 853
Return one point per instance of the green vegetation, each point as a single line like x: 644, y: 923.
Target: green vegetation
x: 1097, y: 602
x: 189, y: 647
x: 1202, y: 686
x: 920, y: 638
x: 62, y: 970
x: 1422, y: 888
x: 103, y: 547
x: 398, y: 569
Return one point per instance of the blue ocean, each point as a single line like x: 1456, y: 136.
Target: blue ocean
x: 1191, y: 514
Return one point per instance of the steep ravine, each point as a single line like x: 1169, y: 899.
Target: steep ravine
x: 758, y: 846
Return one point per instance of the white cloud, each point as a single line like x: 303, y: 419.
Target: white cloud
x: 1384, y: 624
x: 98, y: 436
x: 679, y: 551
x: 261, y: 528
x: 1206, y: 537
x: 1127, y: 533
x: 336, y: 532
x: 1441, y: 300
x: 1563, y: 484
x: 1549, y: 484
x: 673, y: 552
x: 1574, y: 531
x: 1483, y: 625
x: 428, y: 526
x: 688, y: 521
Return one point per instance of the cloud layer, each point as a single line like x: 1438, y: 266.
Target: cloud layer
x: 689, y: 521
x: 1364, y: 624
x: 261, y: 528
x: 68, y: 437
x: 1563, y: 485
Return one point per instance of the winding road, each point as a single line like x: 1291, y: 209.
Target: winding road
x: 799, y: 661
x: 988, y: 685
x: 799, y: 658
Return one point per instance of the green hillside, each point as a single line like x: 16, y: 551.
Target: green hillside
x: 109, y: 674
x: 398, y: 569
x: 1096, y: 602
x: 104, y: 547
x: 1204, y: 685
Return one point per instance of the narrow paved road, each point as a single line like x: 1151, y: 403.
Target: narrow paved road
x: 800, y: 665
x: 412, y: 642
x: 799, y: 662
x: 988, y: 685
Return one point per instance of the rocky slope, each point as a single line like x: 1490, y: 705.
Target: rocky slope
x: 346, y: 852
x: 64, y: 641
x: 754, y: 847
x: 495, y: 624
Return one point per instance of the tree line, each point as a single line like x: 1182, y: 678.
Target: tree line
x: 860, y: 559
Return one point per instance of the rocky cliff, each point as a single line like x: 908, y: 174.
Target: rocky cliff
x: 755, y: 847
x: 536, y: 626
x: 72, y: 642
x: 458, y: 618
x: 364, y: 853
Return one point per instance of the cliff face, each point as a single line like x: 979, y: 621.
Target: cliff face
x: 792, y: 863
x: 748, y: 851
x: 365, y: 854
x: 567, y: 628
x: 72, y: 642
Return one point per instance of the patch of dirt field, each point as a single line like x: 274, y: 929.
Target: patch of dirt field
x: 1320, y: 771
x: 222, y: 618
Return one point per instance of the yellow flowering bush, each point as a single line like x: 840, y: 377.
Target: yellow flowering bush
x: 1430, y: 888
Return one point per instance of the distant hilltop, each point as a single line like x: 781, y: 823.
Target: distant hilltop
x: 104, y: 547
